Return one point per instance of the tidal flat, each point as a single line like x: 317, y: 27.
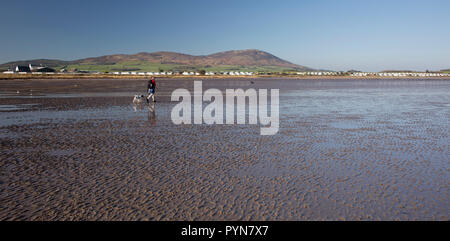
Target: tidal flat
x: 351, y: 149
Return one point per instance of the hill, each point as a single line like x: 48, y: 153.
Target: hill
x: 53, y: 63
x: 243, y: 60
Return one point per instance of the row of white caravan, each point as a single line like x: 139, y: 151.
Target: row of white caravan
x: 383, y: 74
x: 318, y: 73
x: 400, y: 74
x: 184, y: 73
x: 190, y: 73
x: 143, y: 73
x: 238, y: 73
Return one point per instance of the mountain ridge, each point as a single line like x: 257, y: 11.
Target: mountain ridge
x: 248, y: 57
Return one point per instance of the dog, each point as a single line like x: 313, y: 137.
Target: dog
x: 139, y: 99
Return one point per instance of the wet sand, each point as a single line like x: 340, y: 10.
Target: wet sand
x: 346, y: 150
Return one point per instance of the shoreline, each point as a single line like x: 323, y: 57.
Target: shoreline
x: 111, y: 76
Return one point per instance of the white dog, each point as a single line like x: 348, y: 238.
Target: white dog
x: 138, y: 99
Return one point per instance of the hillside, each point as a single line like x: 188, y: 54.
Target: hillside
x: 248, y: 60
x: 53, y: 63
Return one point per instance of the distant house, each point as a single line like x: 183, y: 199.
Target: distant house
x: 23, y: 69
x: 41, y: 69
x: 32, y: 68
x: 29, y: 69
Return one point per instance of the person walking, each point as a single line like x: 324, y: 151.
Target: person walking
x: 151, y: 86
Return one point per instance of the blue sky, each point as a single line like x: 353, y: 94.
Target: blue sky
x: 337, y: 35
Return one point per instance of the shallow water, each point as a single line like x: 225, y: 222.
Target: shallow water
x: 346, y: 149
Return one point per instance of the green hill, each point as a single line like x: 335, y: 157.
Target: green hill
x: 236, y: 60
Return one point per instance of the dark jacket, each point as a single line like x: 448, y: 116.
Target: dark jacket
x: 151, y: 84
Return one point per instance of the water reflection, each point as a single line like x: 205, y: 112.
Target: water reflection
x: 138, y: 107
x: 152, y: 114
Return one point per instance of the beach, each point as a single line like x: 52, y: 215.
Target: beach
x: 347, y: 149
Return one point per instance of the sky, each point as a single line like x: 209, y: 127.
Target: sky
x: 324, y: 34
